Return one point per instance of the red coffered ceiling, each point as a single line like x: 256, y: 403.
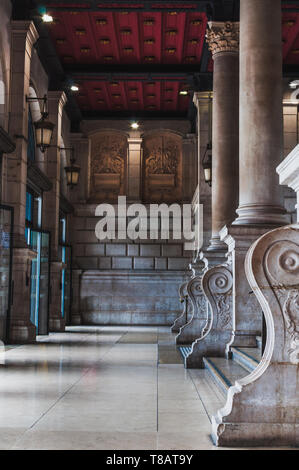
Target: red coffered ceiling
x: 132, y: 95
x: 290, y: 37
x: 108, y: 36
x: 128, y: 37
x: 114, y: 37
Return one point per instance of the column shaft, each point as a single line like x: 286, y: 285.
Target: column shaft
x: 134, y: 167
x: 223, y: 41
x: 261, y: 129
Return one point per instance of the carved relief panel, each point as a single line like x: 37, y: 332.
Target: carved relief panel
x: 162, y: 168
x: 108, y: 166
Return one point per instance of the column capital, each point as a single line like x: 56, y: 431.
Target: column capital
x: 134, y: 137
x: 223, y: 37
x: 26, y: 28
x: 59, y: 97
x: 201, y: 97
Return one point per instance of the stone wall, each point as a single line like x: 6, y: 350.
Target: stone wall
x: 126, y: 281
x: 131, y: 281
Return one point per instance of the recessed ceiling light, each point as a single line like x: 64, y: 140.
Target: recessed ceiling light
x: 135, y: 125
x: 184, y: 92
x: 47, y: 18
x: 74, y: 88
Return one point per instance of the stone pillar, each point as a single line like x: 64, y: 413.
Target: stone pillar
x: 260, y: 149
x: 189, y: 167
x: 23, y: 37
x: 56, y: 102
x: 201, y: 101
x: 81, y: 145
x: 262, y: 408
x: 134, y: 166
x: 261, y: 129
x: 223, y: 39
x: 76, y: 285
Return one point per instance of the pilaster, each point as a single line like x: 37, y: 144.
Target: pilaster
x: 134, y: 166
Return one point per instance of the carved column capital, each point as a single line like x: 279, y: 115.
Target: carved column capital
x: 223, y: 37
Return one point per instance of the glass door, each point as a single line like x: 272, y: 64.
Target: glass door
x: 66, y: 282
x: 40, y: 278
x: 6, y: 228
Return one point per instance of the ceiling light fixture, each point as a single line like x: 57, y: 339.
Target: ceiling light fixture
x: 135, y: 125
x: 47, y: 18
x: 183, y: 92
x: 74, y: 88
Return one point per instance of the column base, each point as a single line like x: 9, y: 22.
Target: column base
x: 56, y: 325
x: 76, y: 319
x: 217, y: 245
x: 261, y: 214
x: 22, y: 334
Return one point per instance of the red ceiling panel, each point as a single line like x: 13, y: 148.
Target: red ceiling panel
x: 132, y: 95
x: 128, y: 37
x: 290, y: 37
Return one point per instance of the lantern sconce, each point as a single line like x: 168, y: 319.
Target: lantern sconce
x: 43, y: 128
x: 207, y: 159
x: 72, y: 171
x: 207, y: 164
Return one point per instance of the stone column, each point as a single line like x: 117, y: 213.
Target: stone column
x: 201, y: 101
x: 56, y: 102
x: 261, y: 129
x: 223, y: 39
x: 76, y: 284
x: 23, y: 37
x: 189, y: 166
x: 262, y: 408
x: 260, y: 150
x: 81, y: 145
x: 134, y: 166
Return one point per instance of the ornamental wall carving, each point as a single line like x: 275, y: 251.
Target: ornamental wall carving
x: 162, y: 168
x: 108, y: 166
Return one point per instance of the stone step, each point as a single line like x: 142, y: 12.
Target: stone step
x: 185, y: 351
x: 224, y: 372
x: 248, y: 358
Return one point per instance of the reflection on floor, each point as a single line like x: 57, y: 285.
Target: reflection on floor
x: 104, y: 388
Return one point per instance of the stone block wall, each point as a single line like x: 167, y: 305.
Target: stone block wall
x: 126, y: 281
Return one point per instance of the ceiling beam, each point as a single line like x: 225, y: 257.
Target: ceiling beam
x: 98, y: 115
x: 134, y: 69
x: 291, y: 71
x: 125, y: 5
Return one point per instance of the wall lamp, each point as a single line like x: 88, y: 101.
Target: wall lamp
x: 43, y: 128
x: 207, y: 158
x: 207, y: 164
x: 72, y: 171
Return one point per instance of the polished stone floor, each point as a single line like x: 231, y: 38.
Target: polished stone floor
x: 104, y: 388
x: 100, y: 388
